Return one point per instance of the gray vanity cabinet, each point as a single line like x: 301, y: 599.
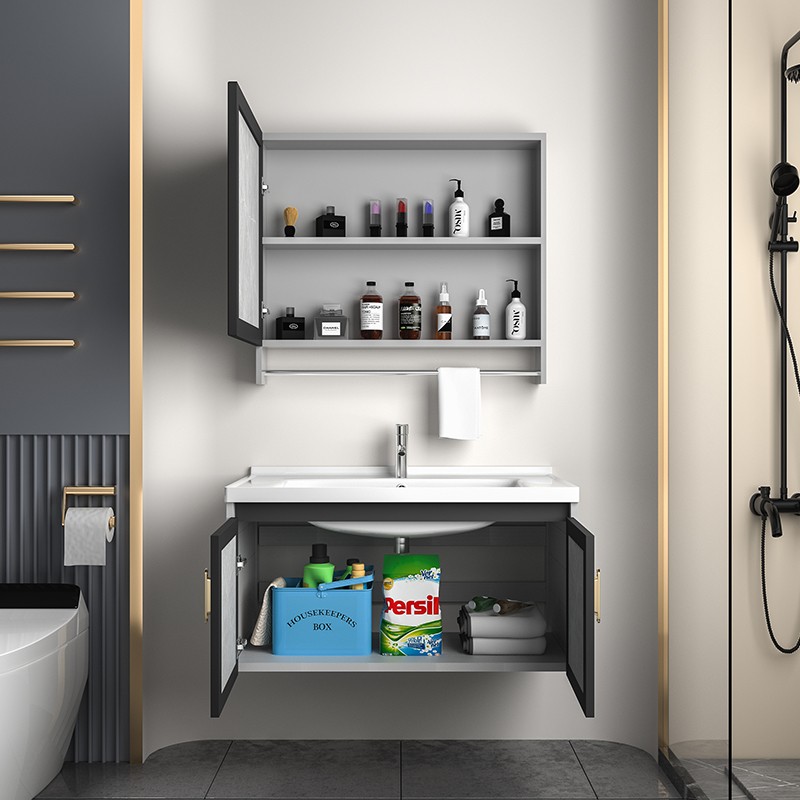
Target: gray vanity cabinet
x: 269, y: 271
x: 532, y: 552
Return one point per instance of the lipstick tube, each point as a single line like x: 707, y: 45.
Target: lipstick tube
x: 374, y: 217
x: 427, y: 217
x: 402, y: 216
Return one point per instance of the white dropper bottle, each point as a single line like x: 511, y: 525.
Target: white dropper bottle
x: 459, y: 213
x: 515, y: 314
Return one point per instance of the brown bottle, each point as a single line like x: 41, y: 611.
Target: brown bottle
x: 371, y: 306
x: 444, y: 315
x: 410, y: 313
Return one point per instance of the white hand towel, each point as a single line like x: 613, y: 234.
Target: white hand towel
x: 459, y: 402
x: 534, y: 646
x: 524, y: 624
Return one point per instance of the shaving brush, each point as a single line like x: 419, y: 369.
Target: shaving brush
x: 290, y: 217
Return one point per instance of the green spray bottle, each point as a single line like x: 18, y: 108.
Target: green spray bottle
x: 319, y: 568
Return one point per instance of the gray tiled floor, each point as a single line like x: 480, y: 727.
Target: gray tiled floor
x: 378, y: 770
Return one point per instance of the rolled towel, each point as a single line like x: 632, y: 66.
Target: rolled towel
x: 483, y: 646
x: 524, y: 624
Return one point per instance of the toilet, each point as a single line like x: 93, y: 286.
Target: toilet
x: 44, y: 663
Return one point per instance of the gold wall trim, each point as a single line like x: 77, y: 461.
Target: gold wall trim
x: 136, y: 351
x: 663, y: 374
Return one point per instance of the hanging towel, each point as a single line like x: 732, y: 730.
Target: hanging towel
x: 534, y: 646
x: 262, y: 632
x: 523, y: 624
x: 459, y: 402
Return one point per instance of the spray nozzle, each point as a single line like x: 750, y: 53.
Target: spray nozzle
x: 515, y: 291
x: 458, y: 192
x: 444, y: 295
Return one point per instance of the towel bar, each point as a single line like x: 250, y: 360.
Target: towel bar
x: 38, y: 343
x: 38, y: 246
x: 38, y: 198
x: 38, y: 295
x: 84, y: 491
x: 349, y: 372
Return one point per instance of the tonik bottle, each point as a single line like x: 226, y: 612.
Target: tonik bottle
x: 444, y: 315
x: 515, y: 315
x: 371, y: 308
x: 481, y: 321
x: 499, y: 221
x: 409, y: 313
x: 459, y: 213
x: 319, y: 568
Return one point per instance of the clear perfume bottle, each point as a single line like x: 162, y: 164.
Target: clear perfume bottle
x: 331, y: 323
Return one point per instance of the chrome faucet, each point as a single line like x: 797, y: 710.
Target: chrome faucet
x: 401, y: 470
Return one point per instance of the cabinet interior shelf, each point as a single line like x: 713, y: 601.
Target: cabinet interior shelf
x: 400, y: 243
x: 452, y: 659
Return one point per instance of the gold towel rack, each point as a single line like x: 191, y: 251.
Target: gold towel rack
x: 38, y: 198
x: 38, y: 343
x: 83, y: 491
x: 38, y: 295
x: 39, y: 246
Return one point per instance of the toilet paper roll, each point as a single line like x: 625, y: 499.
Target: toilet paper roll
x: 86, y: 531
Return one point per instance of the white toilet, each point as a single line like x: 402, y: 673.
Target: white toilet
x: 44, y: 663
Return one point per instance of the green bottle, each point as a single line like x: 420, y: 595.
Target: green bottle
x: 319, y: 568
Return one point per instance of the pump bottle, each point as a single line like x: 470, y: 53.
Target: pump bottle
x: 459, y: 213
x: 515, y: 314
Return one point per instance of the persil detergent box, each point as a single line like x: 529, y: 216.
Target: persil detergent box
x: 411, y: 624
x: 332, y: 620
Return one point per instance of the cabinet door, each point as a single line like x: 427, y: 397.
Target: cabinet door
x: 245, y: 202
x: 224, y: 614
x: 580, y: 614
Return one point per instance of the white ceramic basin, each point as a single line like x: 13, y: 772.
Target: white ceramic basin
x: 436, y: 485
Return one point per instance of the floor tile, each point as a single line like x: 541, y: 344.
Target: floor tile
x: 618, y: 771
x: 182, y: 771
x: 501, y: 770
x: 313, y: 770
x: 769, y: 779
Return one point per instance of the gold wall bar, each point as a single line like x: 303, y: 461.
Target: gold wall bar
x: 38, y: 343
x: 38, y: 246
x: 38, y: 295
x: 38, y: 198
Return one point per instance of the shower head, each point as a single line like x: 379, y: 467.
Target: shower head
x: 784, y: 179
x: 793, y: 74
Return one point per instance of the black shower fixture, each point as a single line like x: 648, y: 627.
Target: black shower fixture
x: 785, y: 181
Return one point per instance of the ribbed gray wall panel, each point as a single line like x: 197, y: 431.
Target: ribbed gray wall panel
x: 33, y: 471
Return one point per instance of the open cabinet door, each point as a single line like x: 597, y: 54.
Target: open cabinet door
x: 580, y: 614
x: 245, y: 202
x: 224, y: 614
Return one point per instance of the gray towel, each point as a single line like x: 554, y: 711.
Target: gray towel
x: 262, y: 633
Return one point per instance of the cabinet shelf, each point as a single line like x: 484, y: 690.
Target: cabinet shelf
x: 452, y: 659
x: 399, y: 344
x: 401, y: 243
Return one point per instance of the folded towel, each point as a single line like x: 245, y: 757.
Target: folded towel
x: 262, y: 632
x: 524, y: 624
x: 480, y: 646
x: 459, y: 402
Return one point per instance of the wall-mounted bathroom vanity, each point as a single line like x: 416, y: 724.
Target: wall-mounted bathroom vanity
x: 269, y: 271
x: 527, y: 545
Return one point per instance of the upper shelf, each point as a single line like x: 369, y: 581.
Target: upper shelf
x: 401, y: 243
x: 402, y: 141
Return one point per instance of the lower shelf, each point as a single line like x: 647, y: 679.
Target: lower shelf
x: 453, y: 659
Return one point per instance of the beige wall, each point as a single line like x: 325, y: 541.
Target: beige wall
x: 584, y: 73
x: 698, y: 375
x: 766, y: 710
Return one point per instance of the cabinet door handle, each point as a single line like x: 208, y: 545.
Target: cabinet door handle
x: 206, y: 596
x: 597, y: 595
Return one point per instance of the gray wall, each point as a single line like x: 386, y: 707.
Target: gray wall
x: 582, y: 72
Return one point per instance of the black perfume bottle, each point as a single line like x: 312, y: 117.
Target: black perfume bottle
x: 330, y: 223
x: 499, y: 221
x: 290, y: 326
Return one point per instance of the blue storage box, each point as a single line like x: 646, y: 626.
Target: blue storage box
x: 332, y: 620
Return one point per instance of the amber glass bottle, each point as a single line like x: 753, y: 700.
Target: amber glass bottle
x: 409, y: 313
x: 371, y: 313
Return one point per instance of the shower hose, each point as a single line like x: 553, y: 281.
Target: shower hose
x: 785, y: 327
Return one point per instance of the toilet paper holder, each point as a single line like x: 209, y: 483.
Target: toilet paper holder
x: 86, y: 490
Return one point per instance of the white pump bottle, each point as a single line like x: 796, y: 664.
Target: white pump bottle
x: 515, y: 315
x: 459, y: 213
